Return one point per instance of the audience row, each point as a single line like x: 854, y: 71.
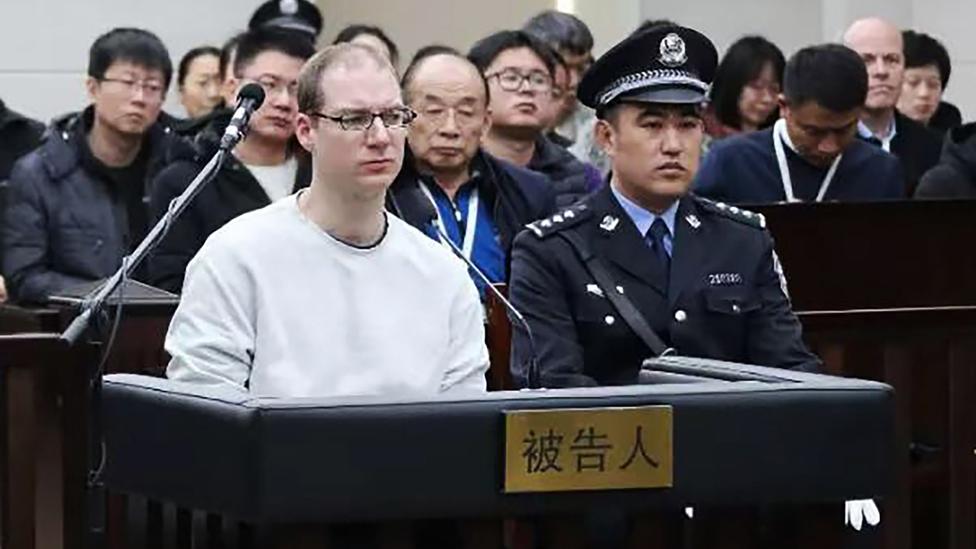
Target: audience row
x: 499, y: 139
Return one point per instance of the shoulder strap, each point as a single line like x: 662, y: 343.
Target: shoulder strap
x: 622, y: 303
x: 734, y: 213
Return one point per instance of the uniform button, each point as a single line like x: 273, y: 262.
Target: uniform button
x: 735, y: 308
x: 609, y: 320
x: 680, y: 315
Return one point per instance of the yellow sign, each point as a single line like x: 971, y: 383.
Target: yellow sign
x: 588, y: 449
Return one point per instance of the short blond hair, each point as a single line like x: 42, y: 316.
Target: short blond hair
x: 311, y: 96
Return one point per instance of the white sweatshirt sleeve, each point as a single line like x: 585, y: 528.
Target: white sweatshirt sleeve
x: 468, y: 353
x: 211, y: 338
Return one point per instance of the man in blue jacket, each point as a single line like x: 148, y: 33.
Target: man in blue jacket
x: 811, y: 154
x: 480, y: 202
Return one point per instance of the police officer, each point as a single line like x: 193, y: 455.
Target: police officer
x: 642, y: 265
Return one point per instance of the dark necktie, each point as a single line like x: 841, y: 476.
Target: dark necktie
x: 657, y: 233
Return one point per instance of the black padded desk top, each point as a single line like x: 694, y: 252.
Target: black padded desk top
x: 809, y: 438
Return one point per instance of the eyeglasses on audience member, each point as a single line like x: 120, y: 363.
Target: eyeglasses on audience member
x: 511, y: 80
x: 151, y: 89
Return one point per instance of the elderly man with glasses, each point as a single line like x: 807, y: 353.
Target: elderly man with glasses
x: 520, y: 70
x: 76, y: 204
x: 480, y: 202
x: 323, y: 293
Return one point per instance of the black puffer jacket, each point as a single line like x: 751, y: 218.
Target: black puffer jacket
x: 571, y: 179
x: 232, y: 192
x: 64, y: 225
x: 19, y: 135
x: 955, y: 174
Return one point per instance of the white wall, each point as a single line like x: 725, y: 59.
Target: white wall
x: 791, y: 24
x: 413, y: 24
x: 609, y: 20
x: 44, y: 43
x: 952, y: 21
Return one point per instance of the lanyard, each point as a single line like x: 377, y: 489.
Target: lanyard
x: 779, y: 131
x: 467, y: 245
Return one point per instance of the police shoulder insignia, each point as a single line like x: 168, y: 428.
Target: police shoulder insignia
x: 565, y: 218
x: 735, y: 213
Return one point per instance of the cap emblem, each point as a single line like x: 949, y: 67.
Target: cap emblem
x: 289, y: 7
x: 672, y: 51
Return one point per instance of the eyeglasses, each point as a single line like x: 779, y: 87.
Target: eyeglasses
x: 511, y: 80
x: 399, y: 117
x: 150, y: 89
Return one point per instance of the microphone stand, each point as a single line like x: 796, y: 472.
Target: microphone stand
x: 532, y: 370
x: 91, y: 306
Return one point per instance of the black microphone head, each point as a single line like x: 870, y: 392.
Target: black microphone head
x: 251, y: 92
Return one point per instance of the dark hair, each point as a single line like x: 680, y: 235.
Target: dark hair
x: 486, y: 50
x: 190, y: 57
x: 255, y: 42
x: 136, y: 46
x: 352, y: 31
x: 652, y: 23
x: 228, y: 51
x: 561, y: 31
x: 831, y: 75
x: 430, y: 51
x: 921, y: 50
x: 743, y: 62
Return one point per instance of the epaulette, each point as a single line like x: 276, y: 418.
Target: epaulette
x: 569, y: 217
x: 734, y: 213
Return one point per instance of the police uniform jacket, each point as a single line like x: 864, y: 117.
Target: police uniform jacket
x: 726, y: 296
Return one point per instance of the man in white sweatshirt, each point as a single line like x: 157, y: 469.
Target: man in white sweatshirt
x: 323, y: 293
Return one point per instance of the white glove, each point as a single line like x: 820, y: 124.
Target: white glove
x: 857, y: 511
x: 690, y: 512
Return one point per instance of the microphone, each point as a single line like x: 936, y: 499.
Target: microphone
x: 429, y: 215
x: 249, y: 99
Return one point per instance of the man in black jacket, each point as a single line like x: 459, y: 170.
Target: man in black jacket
x: 77, y: 204
x: 265, y: 167
x: 879, y: 43
x: 18, y: 136
x: 955, y: 174
x: 480, y: 202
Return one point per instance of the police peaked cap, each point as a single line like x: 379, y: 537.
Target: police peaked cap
x: 299, y: 15
x: 663, y: 64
